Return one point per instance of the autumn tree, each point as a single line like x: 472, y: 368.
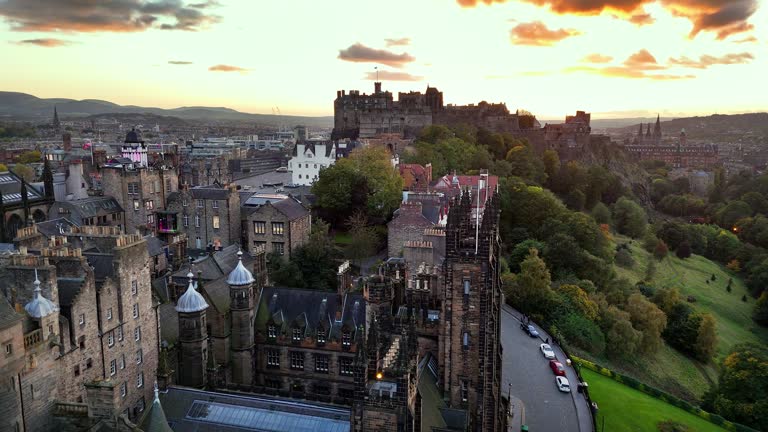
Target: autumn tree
x: 28, y: 157
x: 666, y: 299
x: 661, y: 250
x: 622, y: 339
x: 24, y: 171
x: 706, y: 340
x: 647, y: 318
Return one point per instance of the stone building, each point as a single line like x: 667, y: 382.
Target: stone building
x: 279, y: 223
x: 648, y: 139
x: 98, y: 210
x: 679, y: 155
x: 21, y: 203
x: 90, y: 325
x: 208, y: 215
x: 415, y: 176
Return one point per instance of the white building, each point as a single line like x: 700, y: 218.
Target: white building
x: 308, y: 159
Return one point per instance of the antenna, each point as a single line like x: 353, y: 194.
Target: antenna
x: 377, y: 72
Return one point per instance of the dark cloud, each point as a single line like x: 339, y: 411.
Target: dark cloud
x: 597, y: 58
x: 203, y: 5
x: 627, y: 72
x: 706, y: 61
x: 90, y: 16
x: 722, y: 17
x: 179, y: 62
x: 360, y: 53
x: 45, y: 42
x: 536, y: 33
x: 392, y: 76
x: 643, y: 60
x: 642, y: 19
x: 227, y: 68
x: 398, y: 42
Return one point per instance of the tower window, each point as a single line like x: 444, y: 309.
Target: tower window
x: 346, y: 339
x: 321, y: 336
x: 123, y: 389
x: 465, y: 340
x: 345, y: 366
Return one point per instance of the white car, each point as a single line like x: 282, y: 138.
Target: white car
x: 562, y: 384
x: 547, y: 351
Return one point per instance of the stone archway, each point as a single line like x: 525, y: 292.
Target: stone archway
x: 12, y: 225
x: 38, y: 216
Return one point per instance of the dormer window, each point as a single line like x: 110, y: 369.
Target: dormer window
x: 272, y: 331
x: 346, y: 339
x: 321, y: 336
x: 297, y: 336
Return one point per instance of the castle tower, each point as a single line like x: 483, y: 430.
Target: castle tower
x: 241, y: 308
x: 193, y: 336
x: 470, y: 354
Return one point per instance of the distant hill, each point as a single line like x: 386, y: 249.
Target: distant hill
x: 717, y: 125
x: 22, y: 106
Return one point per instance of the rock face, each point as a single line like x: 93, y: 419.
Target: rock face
x: 612, y: 157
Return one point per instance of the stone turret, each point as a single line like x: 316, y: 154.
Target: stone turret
x: 193, y: 336
x: 242, y: 311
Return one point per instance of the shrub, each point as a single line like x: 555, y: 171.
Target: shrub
x: 624, y: 258
x: 672, y: 426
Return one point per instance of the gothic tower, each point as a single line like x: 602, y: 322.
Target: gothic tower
x: 193, y: 336
x: 56, y: 123
x: 470, y: 354
x: 241, y: 308
x: 657, y: 131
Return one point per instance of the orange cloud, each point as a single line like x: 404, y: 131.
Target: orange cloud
x: 45, y: 42
x: 642, y: 60
x: 101, y: 16
x: 392, y: 76
x: 706, y: 61
x: 748, y: 39
x: 398, y: 42
x: 179, y: 62
x: 642, y: 19
x: 227, y: 68
x: 537, y: 34
x: 597, y: 58
x: 359, y: 53
x: 627, y: 72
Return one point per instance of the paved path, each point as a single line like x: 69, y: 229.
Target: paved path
x: 546, y: 408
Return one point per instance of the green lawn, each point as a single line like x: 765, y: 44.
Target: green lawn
x: 342, y: 238
x: 624, y: 409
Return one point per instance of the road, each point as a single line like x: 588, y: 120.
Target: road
x: 546, y: 409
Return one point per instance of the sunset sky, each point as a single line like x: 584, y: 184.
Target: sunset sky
x: 551, y: 57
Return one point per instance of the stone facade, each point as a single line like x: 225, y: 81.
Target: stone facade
x: 408, y: 225
x: 140, y: 192
x: 207, y: 215
x: 280, y: 226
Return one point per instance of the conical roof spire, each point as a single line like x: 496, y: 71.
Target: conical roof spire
x: 40, y: 306
x: 154, y: 419
x: 240, y: 275
x: 191, y: 300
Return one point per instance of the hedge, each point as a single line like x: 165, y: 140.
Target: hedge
x: 665, y: 397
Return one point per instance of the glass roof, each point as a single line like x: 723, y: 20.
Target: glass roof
x: 264, y: 420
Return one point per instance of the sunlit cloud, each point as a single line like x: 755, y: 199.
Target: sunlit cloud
x: 392, y: 76
x: 227, y: 68
x: 359, y: 53
x: 597, y: 58
x: 398, y: 42
x: 45, y: 42
x: 626, y: 72
x: 179, y: 62
x: 97, y: 16
x: 643, y: 60
x: 706, y: 61
x: 537, y: 34
x: 748, y: 39
x: 642, y: 19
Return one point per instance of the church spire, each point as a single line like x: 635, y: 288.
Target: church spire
x: 56, y: 123
x: 657, y: 129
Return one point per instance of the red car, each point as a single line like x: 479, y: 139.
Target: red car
x: 557, y: 368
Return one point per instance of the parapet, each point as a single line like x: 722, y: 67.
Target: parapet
x: 418, y: 244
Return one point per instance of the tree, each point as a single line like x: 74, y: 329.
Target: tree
x: 706, y: 340
x: 526, y: 165
x: 649, y: 241
x: 3, y: 168
x: 339, y: 191
x: 24, y: 171
x: 363, y: 237
x: 385, y: 185
x: 579, y: 299
x: 683, y: 250
x: 624, y: 258
x: 647, y: 318
x: 29, y: 157
x: 760, y: 314
x: 733, y: 212
x: 317, y: 259
x: 622, y: 339
x: 601, y: 213
x: 551, y: 163
x: 629, y: 218
x: 666, y: 299
x: 661, y: 250
x: 650, y: 271
x: 283, y: 272
x: 532, y: 292
x: 521, y: 251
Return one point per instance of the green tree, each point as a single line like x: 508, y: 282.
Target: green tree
x: 339, y: 191
x: 647, y: 318
x: 579, y: 300
x: 601, y: 213
x: 683, y: 250
x: 532, y: 292
x: 666, y: 299
x: 624, y: 258
x: 29, y: 157
x: 385, y: 185
x: 551, y: 163
x: 760, y: 314
x: 526, y: 165
x: 706, y: 339
x: 283, y: 272
x: 650, y: 271
x: 622, y: 340
x: 733, y: 212
x: 741, y: 394
x: 24, y: 171
x: 317, y: 260
x: 629, y: 218
x: 363, y: 238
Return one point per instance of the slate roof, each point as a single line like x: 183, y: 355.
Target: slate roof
x: 102, y: 264
x: 51, y: 227
x: 154, y: 420
x: 327, y: 147
x: 204, y: 411
x: 311, y: 308
x: 8, y: 316
x: 290, y: 208
x: 91, y: 206
x: 209, y: 193
x: 10, y: 188
x: 222, y: 263
x: 155, y: 246
x: 69, y: 288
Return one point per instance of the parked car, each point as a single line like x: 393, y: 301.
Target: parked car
x: 557, y: 367
x: 531, y: 330
x: 562, y: 384
x: 547, y: 351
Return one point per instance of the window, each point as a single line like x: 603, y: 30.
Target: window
x: 184, y: 202
x: 197, y: 221
x: 156, y: 186
x: 149, y: 205
x: 8, y: 349
x: 215, y: 204
x: 136, y: 205
x: 277, y: 228
x: 186, y: 220
x: 465, y: 340
x: 139, y: 356
x: 297, y: 360
x: 168, y: 185
x: 346, y: 393
x: 321, y: 335
x: 133, y: 188
x: 315, y: 166
x: 273, y: 358
x: 278, y: 248
x: 81, y: 342
x: 77, y: 370
x: 88, y: 363
x: 346, y: 339
x: 134, y: 287
x: 297, y: 335
x: 123, y: 389
x: 321, y: 363
x: 215, y: 221
x: 140, y: 405
x: 136, y: 310
x: 111, y: 339
x: 200, y: 203
x: 109, y: 314
x: 122, y: 361
x: 345, y: 366
x: 259, y: 227
x: 82, y: 319
x: 322, y: 389
x: 464, y: 390
x: 466, y: 287
x: 272, y: 331
x: 50, y: 329
x: 140, y: 380
x: 150, y: 219
x: 299, y: 176
x: 137, y: 334
x: 198, y: 242
x: 120, y: 334
x: 112, y: 367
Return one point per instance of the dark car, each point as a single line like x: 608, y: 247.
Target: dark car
x: 531, y: 330
x: 557, y: 368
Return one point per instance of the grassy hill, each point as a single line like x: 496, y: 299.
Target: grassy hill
x: 646, y: 412
x: 668, y: 369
